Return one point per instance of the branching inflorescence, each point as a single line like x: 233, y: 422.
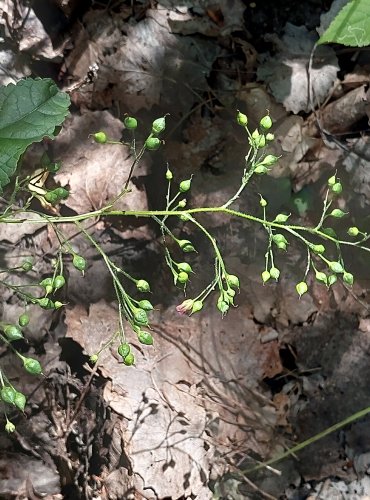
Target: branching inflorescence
x: 324, y: 256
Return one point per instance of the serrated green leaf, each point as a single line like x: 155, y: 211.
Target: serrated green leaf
x: 351, y: 27
x: 29, y: 111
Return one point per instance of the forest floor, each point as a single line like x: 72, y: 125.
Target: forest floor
x: 213, y: 398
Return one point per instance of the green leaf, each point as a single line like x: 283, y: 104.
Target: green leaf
x: 351, y: 26
x: 29, y: 111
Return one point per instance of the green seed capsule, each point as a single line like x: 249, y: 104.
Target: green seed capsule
x: 279, y: 238
x: 242, y: 119
x: 231, y: 293
x: 58, y: 304
x: 79, y: 262
x: 47, y: 284
x: 263, y: 202
x: 94, y: 358
x: 32, y: 366
x: 182, y: 277
x: 159, y: 125
x: 51, y: 197
x: 275, y: 273
x: 222, y: 305
x: 8, y: 394
x: 321, y: 277
x: 233, y: 281
x: 337, y: 188
x: 281, y: 245
x: 20, y: 400
x: 266, y: 122
x: 185, y: 267
x: 301, y: 288
x: 318, y: 249
x: 169, y: 175
x: 9, y: 426
x: 270, y: 137
x: 62, y: 193
x: 23, y: 319
x: 281, y: 218
x: 45, y: 303
x: 337, y: 213
x: 27, y: 265
x: 336, y: 267
x: 146, y: 305
x: 140, y: 317
x: 269, y: 160
x: 182, y: 204
x: 186, y: 246
x: 129, y: 360
x: 265, y: 276
x: 13, y: 332
x: 332, y: 279
x: 59, y: 282
x: 331, y: 181
x: 143, y: 286
x: 152, y: 143
x: 185, y: 186
x: 197, y: 306
x: 124, y: 350
x: 353, y: 231
x: 348, y: 278
x: 145, y: 338
x: 260, y: 169
x: 100, y: 137
x: 130, y: 123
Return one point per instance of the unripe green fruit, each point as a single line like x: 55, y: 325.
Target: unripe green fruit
x: 242, y: 119
x: 275, y: 273
x: 130, y: 122
x: 321, y: 277
x: 51, y: 197
x: 20, y: 400
x: 318, y: 249
x: 336, y: 267
x: 186, y: 246
x: 8, y: 394
x: 337, y: 188
x: 124, y: 350
x: 59, y: 282
x: 129, y: 360
x: 146, y: 305
x: 279, y: 238
x: 281, y: 245
x: 269, y: 160
x: 353, y: 231
x: 94, y: 358
x: 263, y: 202
x: 301, y: 288
x: 281, y: 218
x: 100, y: 137
x: 332, y: 279
x: 61, y: 193
x: 185, y: 267
x: 231, y: 293
x: 23, y: 319
x: 197, y: 306
x: 222, y: 305
x: 13, y: 332
x: 58, y: 304
x: 79, y: 262
x: 159, y: 125
x: 182, y: 204
x: 152, y: 143
x: 45, y: 303
x: 169, y: 175
x: 27, y: 265
x: 337, y: 213
x: 232, y: 281
x: 331, y: 181
x: 182, y: 277
x: 270, y: 137
x: 47, y: 283
x: 32, y: 366
x: 185, y: 186
x: 143, y: 286
x: 348, y: 278
x: 266, y: 122
x: 260, y: 169
x: 140, y: 317
x: 9, y: 426
x: 145, y: 338
x: 265, y: 276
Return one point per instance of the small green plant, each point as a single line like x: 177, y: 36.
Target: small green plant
x: 49, y: 107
